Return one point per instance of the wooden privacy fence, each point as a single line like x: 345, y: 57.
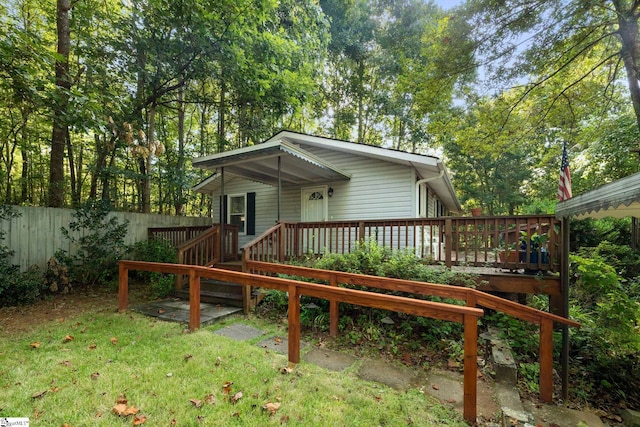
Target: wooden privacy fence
x: 517, y: 242
x: 471, y: 297
x: 468, y: 316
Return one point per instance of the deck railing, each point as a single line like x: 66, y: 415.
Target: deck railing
x: 200, y: 245
x: 176, y: 235
x: 518, y: 242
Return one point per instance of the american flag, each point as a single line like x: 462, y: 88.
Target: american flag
x: 564, y: 186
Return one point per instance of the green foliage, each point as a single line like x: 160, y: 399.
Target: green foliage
x: 16, y: 288
x: 155, y: 250
x: 99, y: 244
x: 607, y: 345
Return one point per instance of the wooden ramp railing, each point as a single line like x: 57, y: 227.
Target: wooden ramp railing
x: 468, y: 316
x: 471, y: 297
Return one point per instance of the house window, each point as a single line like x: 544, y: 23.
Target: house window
x: 237, y: 211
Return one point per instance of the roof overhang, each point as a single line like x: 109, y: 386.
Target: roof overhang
x: 618, y: 199
x: 259, y: 163
x: 300, y: 167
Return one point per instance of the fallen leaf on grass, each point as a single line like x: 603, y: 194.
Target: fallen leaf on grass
x: 286, y: 370
x: 39, y: 394
x: 272, y: 407
x: 435, y: 386
x: 195, y: 402
x: 139, y: 419
x: 95, y: 375
x: 114, y: 340
x: 92, y: 346
x: 278, y: 340
x: 187, y: 357
x: 122, y: 409
x: 65, y: 363
x: 226, y: 387
x: 237, y: 397
x: 210, y: 399
x: 35, y: 344
x: 68, y: 338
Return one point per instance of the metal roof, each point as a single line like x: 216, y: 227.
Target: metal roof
x: 617, y: 199
x: 299, y: 167
x: 260, y: 163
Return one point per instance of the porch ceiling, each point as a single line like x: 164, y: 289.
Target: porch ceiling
x: 260, y: 163
x: 618, y: 199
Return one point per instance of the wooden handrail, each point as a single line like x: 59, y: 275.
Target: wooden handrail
x: 202, y: 249
x: 472, y: 297
x: 468, y: 316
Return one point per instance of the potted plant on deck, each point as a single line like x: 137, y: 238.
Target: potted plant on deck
x: 538, y: 244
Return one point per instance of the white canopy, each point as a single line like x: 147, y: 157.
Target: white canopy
x: 617, y: 199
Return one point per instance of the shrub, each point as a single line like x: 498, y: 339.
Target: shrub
x: 606, y: 348
x: 155, y: 250
x: 99, y: 247
x: 15, y: 287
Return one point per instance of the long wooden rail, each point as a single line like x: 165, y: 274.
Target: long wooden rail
x: 471, y: 297
x: 468, y: 316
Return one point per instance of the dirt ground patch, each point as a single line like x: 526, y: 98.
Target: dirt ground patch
x: 20, y: 319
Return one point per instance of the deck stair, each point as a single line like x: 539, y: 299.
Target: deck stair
x: 216, y: 292
x: 201, y: 246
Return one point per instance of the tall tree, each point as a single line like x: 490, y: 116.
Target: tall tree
x: 60, y: 106
x: 538, y: 44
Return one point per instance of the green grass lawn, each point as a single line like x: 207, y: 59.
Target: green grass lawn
x: 74, y: 372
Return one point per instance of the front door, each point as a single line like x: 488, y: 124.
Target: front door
x: 314, y: 208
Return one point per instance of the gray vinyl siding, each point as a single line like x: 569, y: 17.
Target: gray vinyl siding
x: 376, y: 190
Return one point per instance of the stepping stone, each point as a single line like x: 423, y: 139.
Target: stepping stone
x: 394, y: 376
x: 239, y: 332
x: 329, y: 359
x: 278, y: 344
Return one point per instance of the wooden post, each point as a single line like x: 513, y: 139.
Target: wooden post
x: 333, y: 310
x: 294, y: 324
x: 564, y: 285
x: 470, y: 367
x: 194, y: 300
x: 361, y: 231
x: 546, y: 360
x: 448, y: 242
x: 123, y: 287
x: 281, y: 243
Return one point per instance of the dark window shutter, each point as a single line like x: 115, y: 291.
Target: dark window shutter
x: 251, y: 214
x: 223, y: 204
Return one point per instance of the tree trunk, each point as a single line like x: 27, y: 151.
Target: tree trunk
x: 61, y: 102
x: 178, y: 203
x: 75, y: 193
x: 145, y: 163
x: 221, y: 124
x: 630, y: 52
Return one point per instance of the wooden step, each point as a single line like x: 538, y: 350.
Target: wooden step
x: 216, y: 292
x: 229, y: 265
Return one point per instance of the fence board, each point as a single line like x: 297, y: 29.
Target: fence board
x: 35, y: 235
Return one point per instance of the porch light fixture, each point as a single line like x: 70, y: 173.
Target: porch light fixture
x: 330, y: 192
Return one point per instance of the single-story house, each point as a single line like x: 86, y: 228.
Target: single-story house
x: 297, y: 177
